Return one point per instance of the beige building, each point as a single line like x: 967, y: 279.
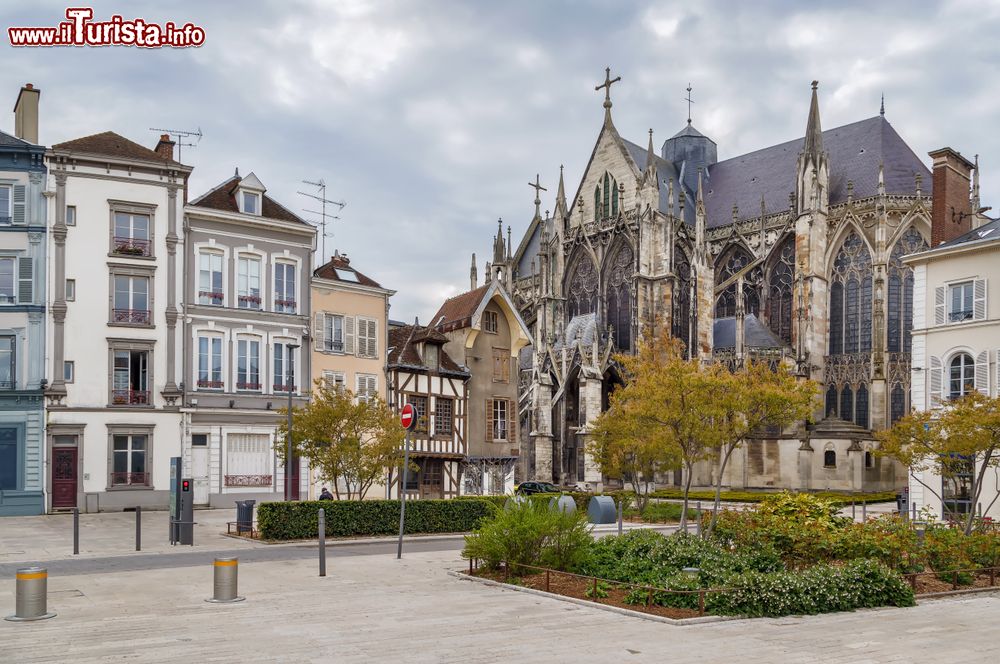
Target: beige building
x: 350, y: 323
x: 956, y: 343
x: 485, y: 333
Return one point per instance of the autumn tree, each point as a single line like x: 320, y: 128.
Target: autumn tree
x: 961, y: 438
x: 749, y: 400
x: 352, y: 442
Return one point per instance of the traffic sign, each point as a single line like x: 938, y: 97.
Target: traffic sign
x: 408, y: 417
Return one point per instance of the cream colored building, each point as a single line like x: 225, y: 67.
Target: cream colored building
x: 350, y: 327
x: 956, y: 343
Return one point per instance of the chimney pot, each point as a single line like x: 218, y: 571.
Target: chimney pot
x: 951, y: 215
x: 165, y: 148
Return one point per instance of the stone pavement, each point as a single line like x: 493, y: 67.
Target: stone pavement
x: 376, y: 608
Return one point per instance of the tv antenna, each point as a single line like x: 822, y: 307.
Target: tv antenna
x: 323, y: 216
x: 180, y: 135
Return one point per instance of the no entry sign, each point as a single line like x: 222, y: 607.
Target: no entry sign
x: 408, y: 417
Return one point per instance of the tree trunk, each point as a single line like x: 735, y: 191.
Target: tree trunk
x: 687, y: 489
x: 723, y: 462
x: 977, y: 489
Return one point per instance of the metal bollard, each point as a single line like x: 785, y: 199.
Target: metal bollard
x: 853, y: 512
x: 76, y: 531
x: 864, y: 511
x: 697, y: 523
x: 322, y: 542
x: 226, y: 575
x: 32, y: 595
x: 914, y: 506
x: 138, y: 527
x: 621, y: 501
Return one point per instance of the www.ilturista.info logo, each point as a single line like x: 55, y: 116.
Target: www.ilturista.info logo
x: 80, y: 30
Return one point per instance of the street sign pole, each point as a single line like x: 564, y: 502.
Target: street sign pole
x: 408, y: 419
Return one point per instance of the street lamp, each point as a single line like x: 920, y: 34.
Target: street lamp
x: 290, y: 386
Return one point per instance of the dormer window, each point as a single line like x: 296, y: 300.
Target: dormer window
x: 249, y: 202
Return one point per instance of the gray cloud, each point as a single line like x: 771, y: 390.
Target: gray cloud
x: 430, y: 117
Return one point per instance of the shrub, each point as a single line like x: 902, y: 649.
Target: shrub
x: 351, y: 518
x: 819, y: 589
x: 757, y: 496
x: 528, y: 533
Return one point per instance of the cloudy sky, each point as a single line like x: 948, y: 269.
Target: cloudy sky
x: 430, y: 117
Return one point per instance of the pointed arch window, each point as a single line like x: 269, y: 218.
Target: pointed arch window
x: 606, y: 198
x: 900, y: 291
x: 861, y: 407
x: 851, y: 298
x: 725, y: 305
x: 619, y: 296
x: 681, y: 310
x: 581, y: 293
x: 897, y: 403
x: 847, y: 404
x: 831, y: 401
x: 779, y: 291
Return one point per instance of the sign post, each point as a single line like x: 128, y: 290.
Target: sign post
x: 175, y: 497
x: 408, y: 418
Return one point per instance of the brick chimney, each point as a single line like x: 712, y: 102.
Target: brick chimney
x: 951, y: 215
x: 165, y: 148
x: 26, y: 114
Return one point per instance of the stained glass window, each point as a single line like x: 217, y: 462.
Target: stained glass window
x: 681, y: 314
x: 779, y: 291
x: 581, y: 295
x: 831, y: 400
x: 900, y: 292
x: 861, y: 407
x: 847, y: 404
x: 619, y: 296
x: 897, y: 403
x: 851, y: 317
x: 606, y: 198
x: 725, y: 305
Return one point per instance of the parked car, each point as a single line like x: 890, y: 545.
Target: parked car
x: 528, y: 488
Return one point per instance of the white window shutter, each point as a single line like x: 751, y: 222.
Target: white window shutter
x: 319, y: 342
x: 979, y: 300
x: 349, y: 335
x: 373, y: 338
x: 982, y: 375
x: 17, y: 205
x: 936, y: 382
x: 25, y: 277
x: 939, y: 310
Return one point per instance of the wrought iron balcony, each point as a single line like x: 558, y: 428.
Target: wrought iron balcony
x: 130, y: 316
x: 249, y: 302
x: 130, y: 397
x: 129, y: 479
x: 7, y: 385
x: 284, y: 306
x: 335, y: 346
x: 210, y: 384
x: 284, y: 388
x: 958, y: 316
x: 210, y: 297
x: 253, y: 387
x: 248, y: 480
x: 131, y: 246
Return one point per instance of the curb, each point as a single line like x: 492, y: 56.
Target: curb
x: 677, y: 622
x: 956, y: 593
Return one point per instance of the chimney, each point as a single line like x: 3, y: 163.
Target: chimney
x: 26, y: 114
x: 950, y: 213
x: 165, y: 148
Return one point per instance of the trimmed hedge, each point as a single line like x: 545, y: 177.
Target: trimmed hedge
x: 757, y: 496
x: 353, y: 518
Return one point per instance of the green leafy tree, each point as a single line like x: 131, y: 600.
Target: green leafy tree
x: 352, y: 442
x: 961, y: 438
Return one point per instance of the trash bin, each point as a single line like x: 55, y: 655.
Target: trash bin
x: 601, y: 509
x: 562, y: 504
x: 244, y: 516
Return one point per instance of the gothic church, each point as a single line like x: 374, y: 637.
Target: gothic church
x: 787, y: 254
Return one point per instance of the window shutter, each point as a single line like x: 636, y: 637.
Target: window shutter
x: 936, y: 381
x: 25, y: 275
x: 982, y: 375
x: 328, y: 379
x: 489, y: 420
x: 511, y: 423
x: 939, y: 311
x: 17, y: 205
x: 373, y: 338
x: 349, y: 335
x: 318, y: 330
x: 979, y: 300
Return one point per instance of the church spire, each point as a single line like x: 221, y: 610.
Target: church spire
x: 608, y: 82
x: 561, y: 193
x: 538, y: 201
x: 473, y: 275
x: 814, y: 134
x: 881, y: 108
x: 650, y: 153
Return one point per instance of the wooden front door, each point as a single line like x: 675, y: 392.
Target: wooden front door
x: 432, y: 478
x: 64, y: 477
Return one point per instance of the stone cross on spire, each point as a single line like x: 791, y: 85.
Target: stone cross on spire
x: 689, y: 101
x: 608, y: 82
x: 538, y: 201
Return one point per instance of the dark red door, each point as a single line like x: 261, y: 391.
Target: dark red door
x: 292, y: 492
x: 63, y: 477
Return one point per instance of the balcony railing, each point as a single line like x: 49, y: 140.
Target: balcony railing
x: 335, y: 346
x: 212, y: 297
x: 253, y: 387
x: 210, y: 384
x: 248, y: 480
x: 285, y: 306
x: 6, y: 385
x: 129, y: 479
x: 130, y: 397
x: 958, y: 316
x: 130, y: 316
x: 131, y: 246
x: 284, y: 388
x: 249, y: 301
x: 4, y: 221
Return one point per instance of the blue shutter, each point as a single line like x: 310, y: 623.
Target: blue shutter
x: 17, y: 205
x: 25, y: 276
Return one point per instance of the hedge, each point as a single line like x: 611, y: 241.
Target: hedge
x: 757, y: 496
x: 353, y: 518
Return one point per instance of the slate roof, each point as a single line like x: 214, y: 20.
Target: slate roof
x: 832, y: 426
x: 582, y: 328
x: 665, y: 171
x: 8, y: 141
x: 113, y: 145
x: 329, y: 271
x: 855, y: 151
x: 223, y: 197
x: 403, y: 354
x: 456, y: 312
x: 988, y: 232
x: 756, y: 334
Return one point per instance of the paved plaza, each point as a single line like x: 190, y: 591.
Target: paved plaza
x: 375, y: 608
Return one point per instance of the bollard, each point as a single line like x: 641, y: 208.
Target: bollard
x: 138, y: 527
x: 76, y: 531
x: 322, y: 541
x: 697, y: 516
x: 31, y: 595
x: 853, y: 512
x: 914, y: 506
x: 864, y: 511
x: 621, y: 501
x: 226, y: 575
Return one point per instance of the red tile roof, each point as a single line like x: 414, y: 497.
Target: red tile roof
x: 113, y: 145
x: 329, y: 271
x: 456, y: 312
x: 223, y: 198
